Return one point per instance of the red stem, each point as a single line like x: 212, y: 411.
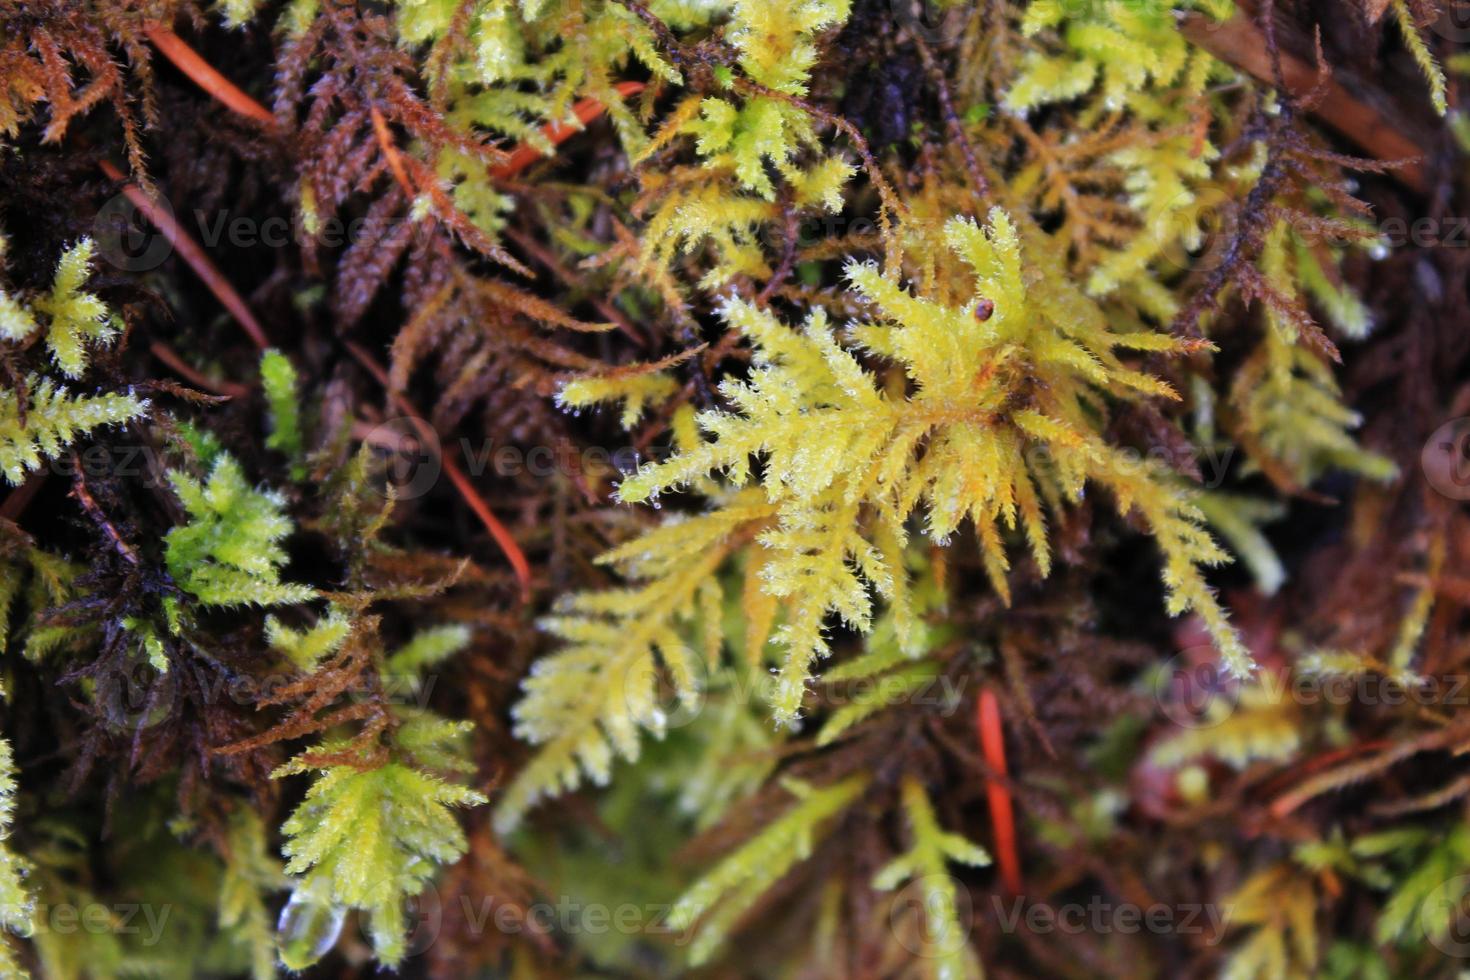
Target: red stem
x: 503, y: 538
x: 585, y: 110
x: 203, y: 74
x: 191, y: 253
x: 1002, y: 816
x: 1288, y: 801
x: 207, y: 77
x: 188, y: 61
x: 20, y: 498
x: 166, y: 354
x: 395, y: 162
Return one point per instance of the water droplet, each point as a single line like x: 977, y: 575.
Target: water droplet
x: 308, y: 928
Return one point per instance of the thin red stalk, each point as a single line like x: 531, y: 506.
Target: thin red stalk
x: 498, y: 531
x: 187, y: 60
x: 207, y: 77
x: 395, y: 162
x: 203, y: 74
x: 586, y: 110
x: 1002, y: 816
x: 1319, y: 762
x: 1289, y: 800
x: 166, y: 354
x: 191, y: 253
x: 231, y: 300
x: 1453, y: 735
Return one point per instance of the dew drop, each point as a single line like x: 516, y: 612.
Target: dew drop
x: 308, y: 928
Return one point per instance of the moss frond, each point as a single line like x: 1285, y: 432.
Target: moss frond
x: 713, y: 904
x: 1279, y: 905
x: 17, y: 905
x: 229, y: 553
x: 75, y: 319
x: 278, y: 378
x: 53, y: 419
x: 588, y: 703
x: 308, y: 648
x: 926, y: 864
x: 367, y: 839
x: 845, y: 463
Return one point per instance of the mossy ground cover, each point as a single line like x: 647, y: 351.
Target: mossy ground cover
x: 733, y: 488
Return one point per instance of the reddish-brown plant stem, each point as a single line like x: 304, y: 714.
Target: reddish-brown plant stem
x: 585, y: 110
x: 997, y: 794
x: 544, y: 255
x: 231, y: 300
x: 203, y: 74
x: 89, y: 504
x: 498, y: 531
x: 1241, y: 43
x: 207, y: 77
x: 1321, y: 782
x: 952, y: 119
x: 171, y: 359
x: 20, y: 498
x: 391, y: 154
x: 193, y: 255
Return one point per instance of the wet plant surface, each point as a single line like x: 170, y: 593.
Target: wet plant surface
x: 829, y: 488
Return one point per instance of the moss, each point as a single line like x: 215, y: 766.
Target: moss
x: 776, y: 456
